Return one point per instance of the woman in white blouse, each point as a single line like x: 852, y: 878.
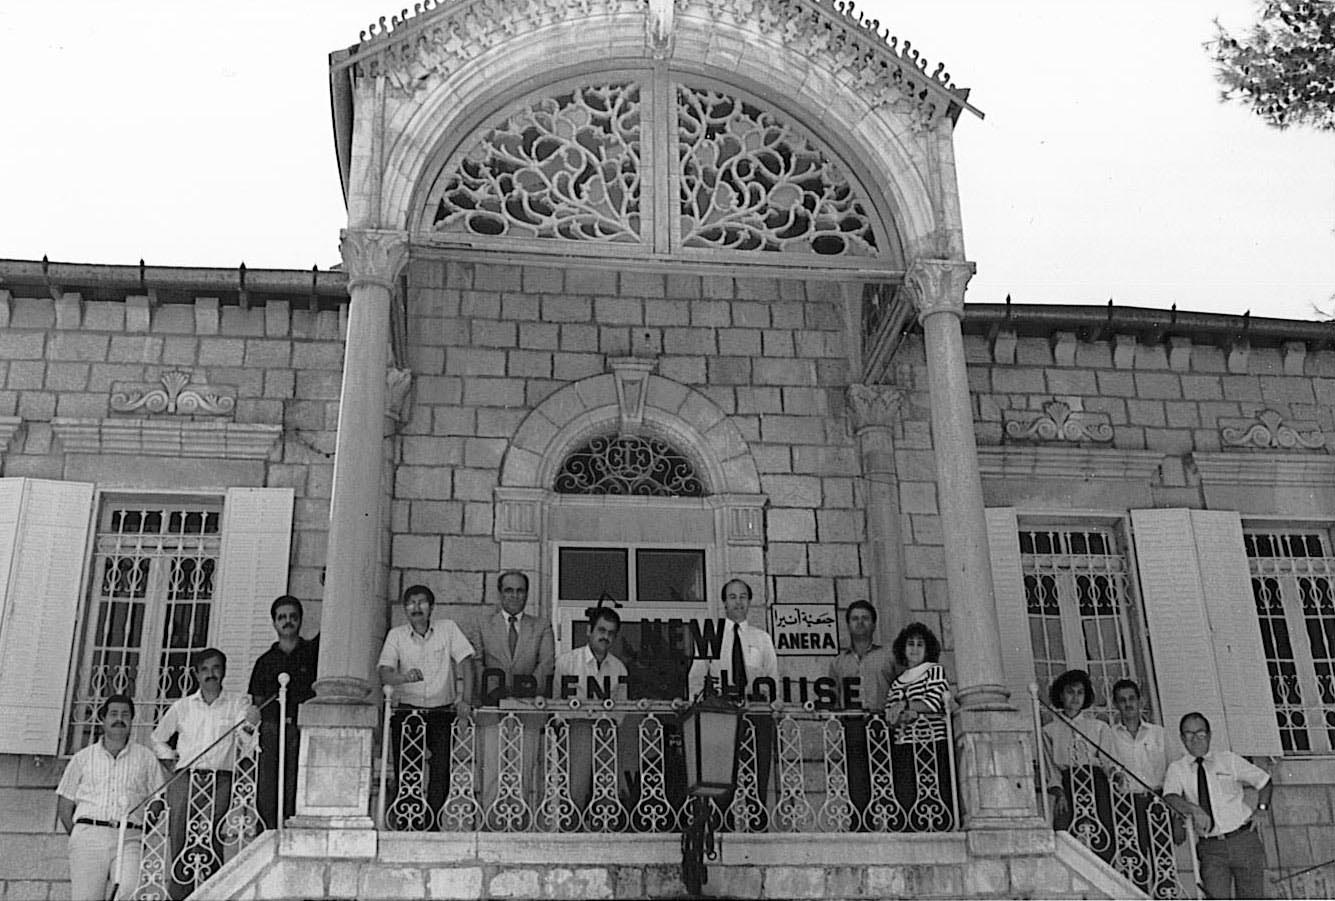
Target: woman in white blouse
x: 920, y: 755
x: 1077, y: 781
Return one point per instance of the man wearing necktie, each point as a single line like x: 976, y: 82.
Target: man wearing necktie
x: 1208, y: 787
x: 516, y: 646
x: 747, y: 654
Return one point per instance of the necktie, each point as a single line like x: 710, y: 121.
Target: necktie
x: 513, y: 637
x: 738, y: 660
x: 1203, y: 789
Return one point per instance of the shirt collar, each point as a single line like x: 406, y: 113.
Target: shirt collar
x: 412, y: 633
x: 591, y: 659
x: 102, y: 743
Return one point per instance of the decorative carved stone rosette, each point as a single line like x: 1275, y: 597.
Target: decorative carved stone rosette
x: 873, y: 406
x: 1268, y: 430
x: 373, y: 257
x: 1058, y: 422
x: 175, y: 394
x: 750, y: 181
x: 565, y: 167
x: 628, y: 465
x: 937, y: 286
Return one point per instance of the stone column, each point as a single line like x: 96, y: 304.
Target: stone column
x: 333, y: 783
x: 994, y: 742
x: 873, y: 411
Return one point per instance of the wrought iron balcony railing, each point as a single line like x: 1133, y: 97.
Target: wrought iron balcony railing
x: 618, y: 767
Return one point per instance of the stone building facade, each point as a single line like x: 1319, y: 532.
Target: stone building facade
x: 725, y: 237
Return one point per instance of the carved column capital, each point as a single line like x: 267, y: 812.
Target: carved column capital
x: 872, y: 406
x: 937, y: 286
x: 373, y: 257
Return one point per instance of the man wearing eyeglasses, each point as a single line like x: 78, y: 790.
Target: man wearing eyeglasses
x: 1208, y: 787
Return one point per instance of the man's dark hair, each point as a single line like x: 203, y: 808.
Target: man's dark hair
x: 115, y: 699
x: 422, y: 590
x: 1125, y: 683
x: 204, y: 656
x: 750, y: 595
x: 600, y: 612
x: 860, y: 605
x: 932, y: 651
x: 1194, y: 715
x: 286, y: 600
x: 512, y: 572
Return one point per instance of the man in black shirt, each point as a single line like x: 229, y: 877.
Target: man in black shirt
x: 297, y: 657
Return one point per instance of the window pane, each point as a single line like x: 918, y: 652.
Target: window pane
x: 669, y: 576
x: 587, y: 574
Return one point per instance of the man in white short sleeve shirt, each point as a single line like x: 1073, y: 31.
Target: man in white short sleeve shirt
x: 420, y: 659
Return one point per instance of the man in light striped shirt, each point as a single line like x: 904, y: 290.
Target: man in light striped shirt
x: 100, y: 786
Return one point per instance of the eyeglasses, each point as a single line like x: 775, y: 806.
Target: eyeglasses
x: 1196, y: 733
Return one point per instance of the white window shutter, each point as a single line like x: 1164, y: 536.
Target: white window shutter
x: 43, y: 549
x: 1239, y: 654
x: 1017, y: 649
x: 256, y: 542
x: 1174, y: 599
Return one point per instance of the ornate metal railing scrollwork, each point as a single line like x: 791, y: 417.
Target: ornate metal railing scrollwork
x: 630, y: 774
x: 1117, y: 815
x: 629, y: 465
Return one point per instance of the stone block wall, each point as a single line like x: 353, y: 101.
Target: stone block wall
x: 59, y: 358
x: 488, y: 343
x: 1180, y: 406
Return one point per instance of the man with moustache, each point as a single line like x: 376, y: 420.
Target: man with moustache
x: 575, y: 669
x: 202, y: 762
x: 100, y: 786
x: 847, y: 672
x: 299, y: 658
x: 420, y: 660
x: 516, y: 646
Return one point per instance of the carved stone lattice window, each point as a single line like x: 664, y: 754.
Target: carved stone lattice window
x: 566, y: 167
x: 709, y: 169
x: 750, y: 182
x: 629, y: 465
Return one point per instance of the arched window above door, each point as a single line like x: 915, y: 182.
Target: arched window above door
x: 632, y: 465
x: 653, y: 163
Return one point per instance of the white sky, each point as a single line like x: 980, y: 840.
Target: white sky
x: 199, y: 134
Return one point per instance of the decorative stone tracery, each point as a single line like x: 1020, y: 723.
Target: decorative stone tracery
x: 1268, y: 430
x: 749, y: 181
x: 567, y: 167
x: 573, y: 166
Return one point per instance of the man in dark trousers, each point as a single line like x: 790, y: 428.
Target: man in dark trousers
x: 1208, y: 787
x: 297, y: 657
x: 515, y: 657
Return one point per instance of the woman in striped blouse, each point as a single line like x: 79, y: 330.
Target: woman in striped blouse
x: 920, y: 756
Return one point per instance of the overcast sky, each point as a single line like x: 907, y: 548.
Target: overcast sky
x: 199, y: 134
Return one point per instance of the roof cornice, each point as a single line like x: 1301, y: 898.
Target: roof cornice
x: 440, y: 35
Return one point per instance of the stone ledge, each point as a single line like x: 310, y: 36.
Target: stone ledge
x: 162, y: 438
x: 8, y: 426
x: 1009, y: 461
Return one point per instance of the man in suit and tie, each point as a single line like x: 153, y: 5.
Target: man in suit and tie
x: 516, y: 654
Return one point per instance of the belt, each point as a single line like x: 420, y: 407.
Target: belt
x: 1245, y: 827
x: 88, y: 821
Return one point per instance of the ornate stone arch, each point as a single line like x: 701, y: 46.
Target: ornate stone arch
x: 685, y: 418
x: 630, y: 400
x: 834, y: 72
